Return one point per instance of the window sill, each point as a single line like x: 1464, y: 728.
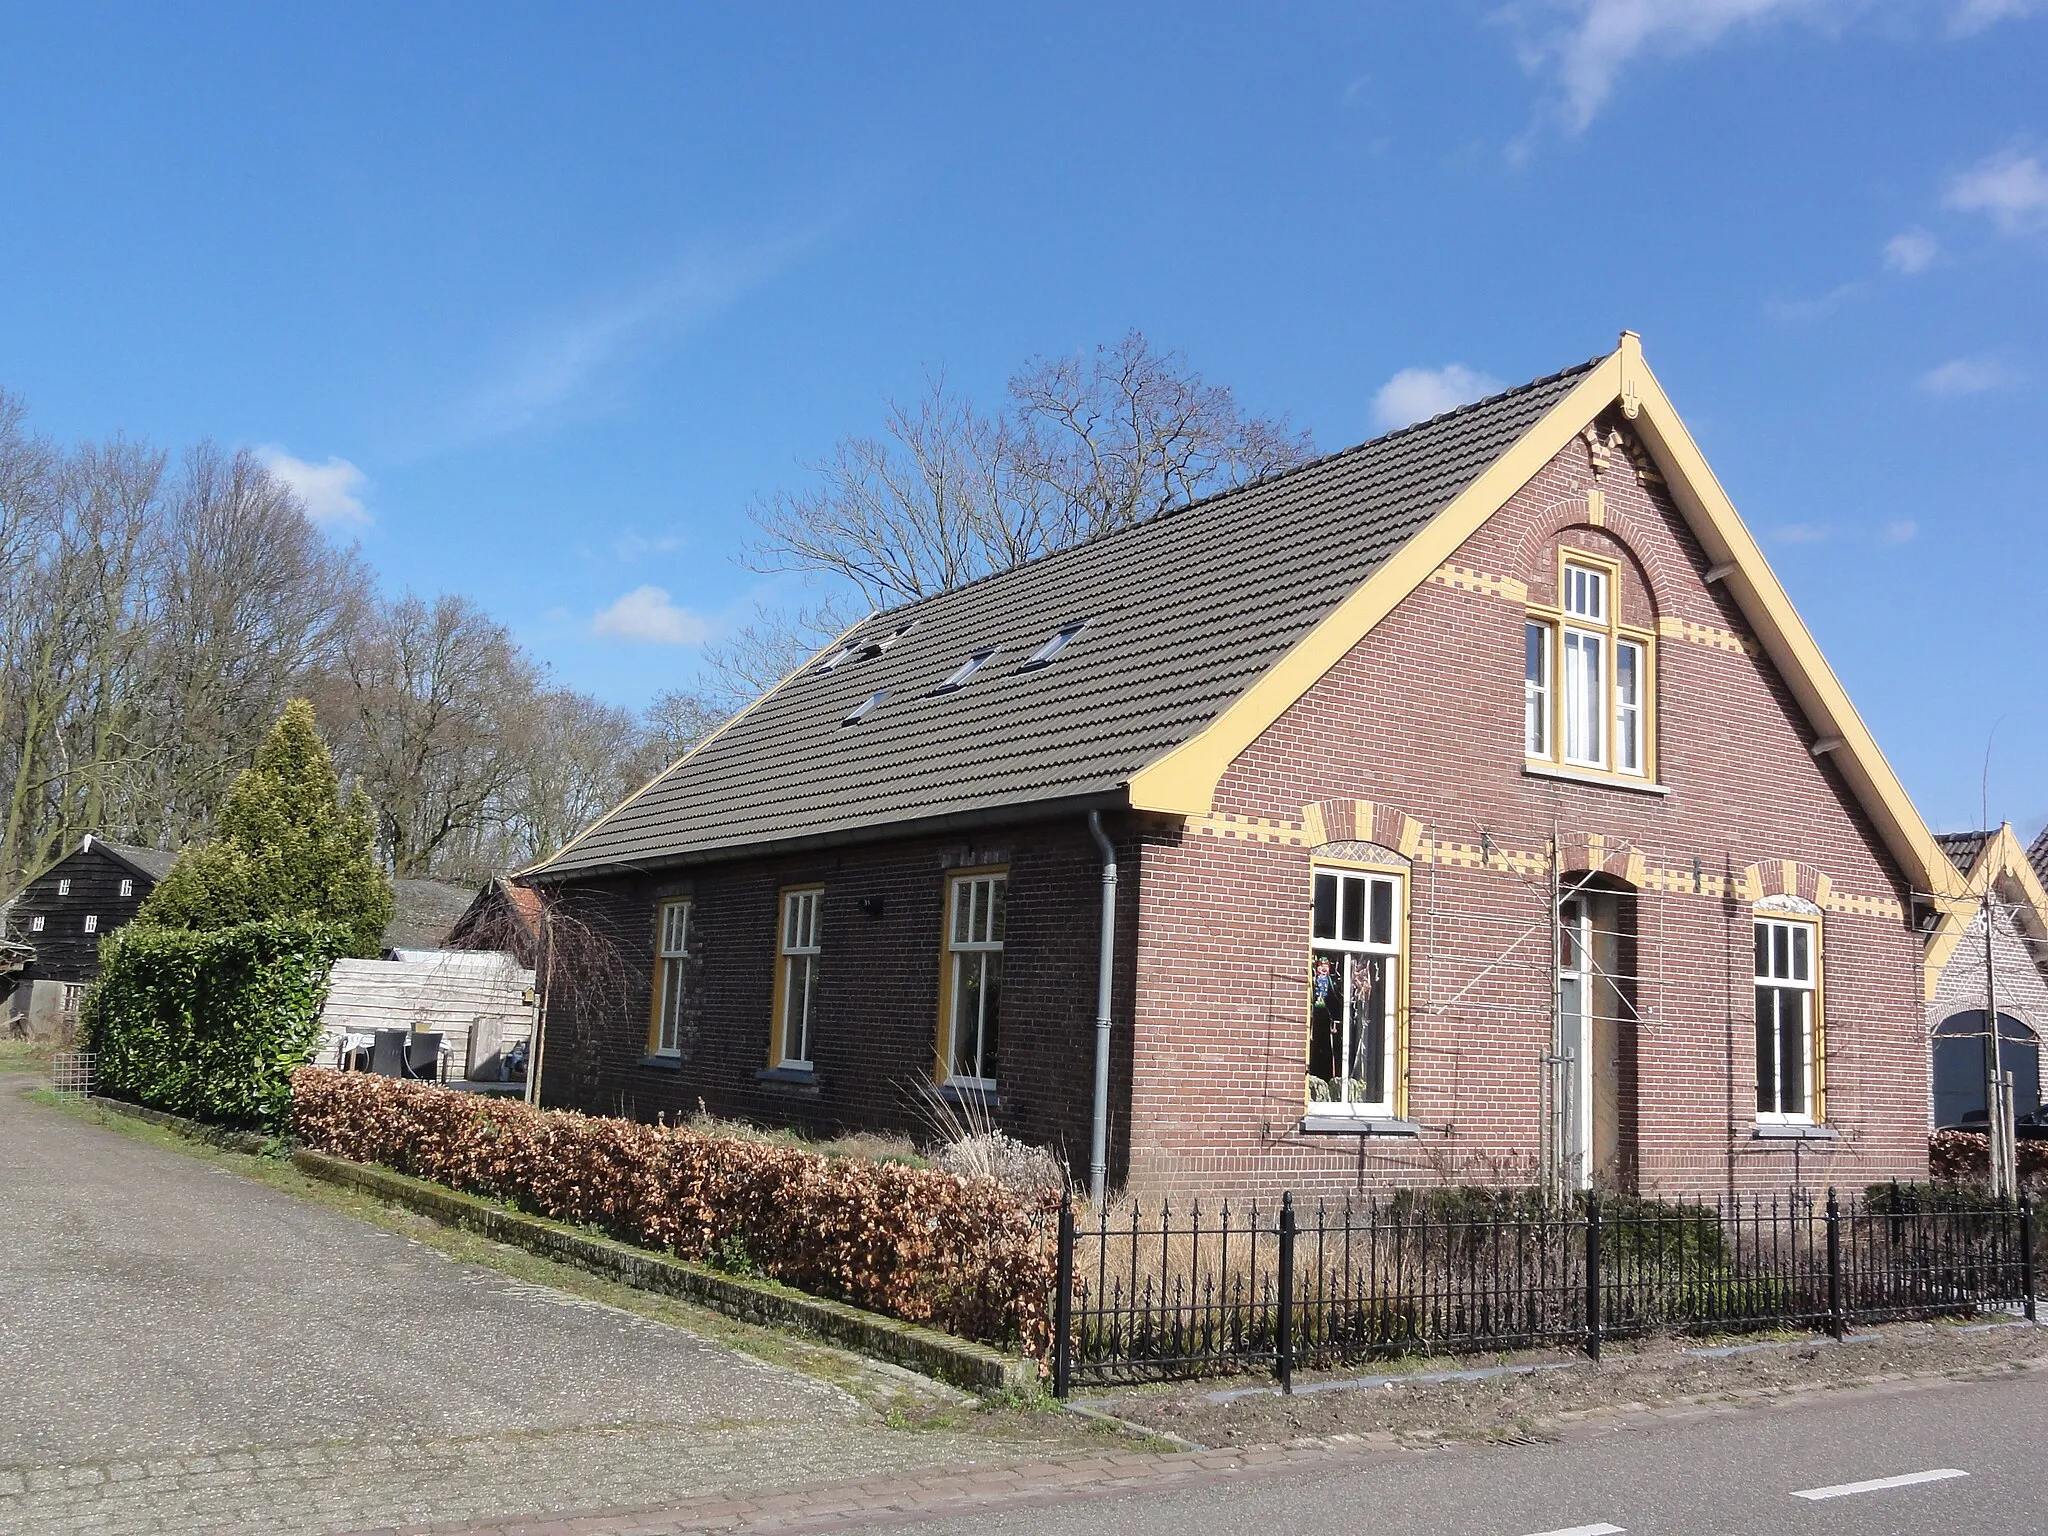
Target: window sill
x: 1317, y: 1123
x: 1594, y: 776
x: 1792, y: 1132
x: 661, y: 1063
x: 799, y: 1080
x: 969, y: 1092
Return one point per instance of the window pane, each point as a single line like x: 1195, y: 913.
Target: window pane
x: 1585, y: 697
x: 1763, y: 949
x: 1536, y: 690
x: 1800, y: 939
x: 1766, y: 1051
x: 999, y: 898
x: 991, y: 1009
x: 1781, y: 944
x: 963, y: 910
x: 1353, y: 925
x: 1628, y: 713
x: 1792, y: 1052
x: 967, y: 1016
x: 1326, y: 985
x: 1382, y: 912
x: 1326, y: 907
x: 1367, y: 1068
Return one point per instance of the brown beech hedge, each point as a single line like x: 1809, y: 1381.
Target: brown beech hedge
x: 963, y: 1255
x: 1964, y: 1155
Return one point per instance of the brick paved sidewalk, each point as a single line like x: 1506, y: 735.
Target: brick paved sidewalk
x: 885, y: 1501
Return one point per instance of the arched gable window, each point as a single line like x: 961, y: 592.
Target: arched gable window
x: 1962, y: 1069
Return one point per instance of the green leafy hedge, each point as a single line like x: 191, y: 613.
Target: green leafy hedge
x: 211, y: 1025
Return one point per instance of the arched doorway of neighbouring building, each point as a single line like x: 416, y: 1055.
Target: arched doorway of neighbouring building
x: 1962, y: 1069
x: 1594, y: 1070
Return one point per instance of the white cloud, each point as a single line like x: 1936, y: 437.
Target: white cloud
x: 328, y: 491
x: 1901, y: 531
x: 1589, y: 42
x: 1967, y: 376
x: 634, y: 545
x: 1583, y: 47
x: 1973, y: 16
x: 1416, y: 394
x: 646, y: 613
x: 562, y: 366
x: 1911, y: 252
x: 2011, y: 188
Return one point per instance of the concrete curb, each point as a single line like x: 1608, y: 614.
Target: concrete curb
x: 196, y: 1130
x: 923, y: 1350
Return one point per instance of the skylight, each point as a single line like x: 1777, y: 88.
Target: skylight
x: 1059, y: 642
x: 968, y: 668
x: 840, y: 658
x: 865, y: 707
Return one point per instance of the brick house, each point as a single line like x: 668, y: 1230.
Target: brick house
x: 1358, y: 936
x: 1960, y: 984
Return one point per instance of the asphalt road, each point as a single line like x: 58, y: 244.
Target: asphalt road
x: 183, y: 1349
x: 1723, y: 1474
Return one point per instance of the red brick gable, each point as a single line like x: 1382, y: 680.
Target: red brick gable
x: 1422, y: 720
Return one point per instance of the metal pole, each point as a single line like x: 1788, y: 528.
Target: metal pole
x: 1553, y: 1127
x: 1838, y: 1324
x: 1283, y: 1353
x: 1105, y: 958
x: 1998, y: 1116
x: 1063, y: 1303
x: 2027, y: 1255
x: 1593, y: 1275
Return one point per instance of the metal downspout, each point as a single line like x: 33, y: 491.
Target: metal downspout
x: 1098, y: 1147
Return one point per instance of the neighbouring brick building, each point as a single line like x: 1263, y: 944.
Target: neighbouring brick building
x: 1669, y: 941
x: 2009, y: 900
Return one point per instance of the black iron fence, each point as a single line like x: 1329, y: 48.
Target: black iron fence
x: 1163, y: 1293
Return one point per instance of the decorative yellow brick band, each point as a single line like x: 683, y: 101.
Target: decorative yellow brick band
x: 1749, y: 884
x: 1465, y: 579
x: 1708, y: 635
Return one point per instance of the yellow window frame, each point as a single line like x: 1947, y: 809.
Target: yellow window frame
x: 1554, y: 618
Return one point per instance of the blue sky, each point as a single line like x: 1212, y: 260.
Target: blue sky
x: 534, y: 300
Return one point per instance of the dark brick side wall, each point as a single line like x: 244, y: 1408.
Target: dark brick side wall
x: 879, y: 989
x: 1425, y: 716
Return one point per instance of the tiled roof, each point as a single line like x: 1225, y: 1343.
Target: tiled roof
x: 1963, y: 848
x: 2037, y: 855
x: 1183, y: 612
x: 153, y: 862
x: 423, y: 911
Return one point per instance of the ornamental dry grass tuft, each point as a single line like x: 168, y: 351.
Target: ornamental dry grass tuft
x: 961, y: 1254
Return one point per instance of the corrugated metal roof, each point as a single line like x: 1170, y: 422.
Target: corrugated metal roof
x: 1963, y: 848
x: 1184, y: 612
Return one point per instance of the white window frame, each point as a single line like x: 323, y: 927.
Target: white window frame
x: 671, y: 975
x: 92, y: 922
x: 1536, y: 688
x: 799, y: 939
x: 1579, y: 710
x: 1779, y: 975
x: 1355, y: 883
x: 1628, y: 707
x: 127, y: 887
x: 63, y: 887
x: 35, y: 924
x: 974, y: 952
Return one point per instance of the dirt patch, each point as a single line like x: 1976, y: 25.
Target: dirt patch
x: 1548, y: 1391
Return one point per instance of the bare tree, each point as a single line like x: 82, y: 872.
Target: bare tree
x: 946, y: 495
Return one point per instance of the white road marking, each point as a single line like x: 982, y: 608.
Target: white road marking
x: 1603, y: 1529
x: 1879, y: 1484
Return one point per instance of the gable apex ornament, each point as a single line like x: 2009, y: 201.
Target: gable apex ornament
x: 1631, y: 350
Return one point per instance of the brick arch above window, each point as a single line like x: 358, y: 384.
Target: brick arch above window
x: 1591, y: 854
x: 1784, y: 877
x: 1615, y: 534
x: 1361, y: 821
